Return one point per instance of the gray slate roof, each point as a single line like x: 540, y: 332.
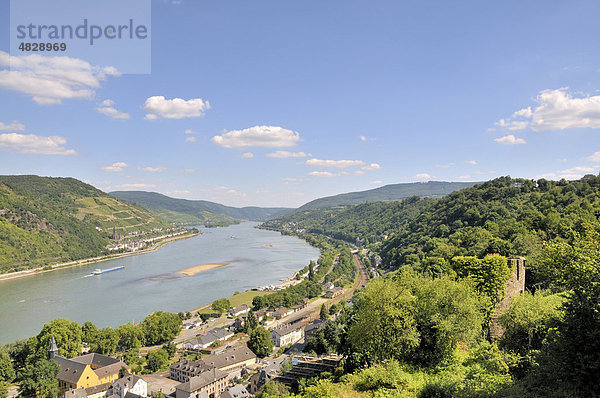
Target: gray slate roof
x: 70, y: 371
x: 237, y: 391
x: 287, y: 329
x: 237, y: 354
x: 213, y: 335
x: 202, y: 380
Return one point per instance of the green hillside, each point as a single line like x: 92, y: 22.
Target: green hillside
x: 422, y: 329
x: 511, y: 217
x: 360, y: 224
x: 48, y: 220
x: 430, y: 189
x: 196, y: 211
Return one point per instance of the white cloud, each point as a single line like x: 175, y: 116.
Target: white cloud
x: 359, y: 173
x: 14, y: 126
x: 247, y: 155
x: 444, y: 166
x: 556, y: 110
x: 149, y: 169
x: 573, y: 173
x: 135, y: 186
x: 422, y: 176
x: 364, y: 138
x: 372, y: 166
x: 158, y: 106
x: 293, y: 181
x: 257, y: 136
x: 190, y: 171
x: 547, y: 176
x: 191, y: 139
x: 471, y: 162
x: 49, y: 80
x: 115, y: 167
x: 595, y: 157
x: 377, y: 182
x: 107, y: 107
x: 577, y: 170
x: 226, y: 191
x: 190, y: 131
x: 340, y: 164
x: 525, y: 112
x: 182, y: 192
x: 512, y: 124
x: 287, y: 154
x: 510, y: 140
x: 465, y: 177
x: 35, y: 144
x: 325, y: 174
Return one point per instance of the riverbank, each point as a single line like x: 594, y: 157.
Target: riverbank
x: 87, y: 261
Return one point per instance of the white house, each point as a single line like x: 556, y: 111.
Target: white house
x: 131, y: 384
x: 288, y: 334
x: 241, y: 310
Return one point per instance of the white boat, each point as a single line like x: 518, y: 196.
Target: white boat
x: 99, y: 271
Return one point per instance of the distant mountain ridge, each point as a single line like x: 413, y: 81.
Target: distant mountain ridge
x: 190, y: 211
x: 429, y: 189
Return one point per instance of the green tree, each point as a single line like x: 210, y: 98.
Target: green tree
x: 251, y: 322
x: 570, y: 358
x: 414, y: 319
x: 21, y: 350
x: 273, y: 389
x: 170, y: 348
x: 489, y: 273
x: 7, y: 372
x: 220, y: 306
x: 160, y: 327
x: 157, y: 360
x: 106, y: 341
x: 260, y: 342
x: 311, y: 271
x: 528, y: 320
x: 132, y: 356
x: 88, y: 332
x: 130, y: 336
x: 324, y: 314
x: 68, y: 338
x: 39, y: 379
x: 3, y: 390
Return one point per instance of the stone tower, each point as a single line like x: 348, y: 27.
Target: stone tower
x: 515, y: 286
x: 53, y: 351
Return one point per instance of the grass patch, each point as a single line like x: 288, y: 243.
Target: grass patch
x: 235, y: 300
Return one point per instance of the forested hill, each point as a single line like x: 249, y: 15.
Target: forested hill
x: 512, y: 217
x: 429, y: 189
x: 506, y: 216
x: 47, y: 220
x: 196, y: 211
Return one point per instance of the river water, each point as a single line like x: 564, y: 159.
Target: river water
x: 150, y: 282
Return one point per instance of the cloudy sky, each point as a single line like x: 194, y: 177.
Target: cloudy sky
x: 277, y: 103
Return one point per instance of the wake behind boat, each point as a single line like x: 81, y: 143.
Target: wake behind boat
x: 104, y: 271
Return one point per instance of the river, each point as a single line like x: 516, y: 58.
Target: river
x: 150, y: 282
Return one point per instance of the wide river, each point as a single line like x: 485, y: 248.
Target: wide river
x: 150, y: 282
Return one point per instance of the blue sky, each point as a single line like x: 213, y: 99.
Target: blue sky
x: 362, y: 94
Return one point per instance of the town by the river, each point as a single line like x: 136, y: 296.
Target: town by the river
x: 152, y: 281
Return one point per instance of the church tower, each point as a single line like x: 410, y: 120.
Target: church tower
x: 53, y: 348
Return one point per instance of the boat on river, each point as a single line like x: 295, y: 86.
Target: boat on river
x: 104, y: 271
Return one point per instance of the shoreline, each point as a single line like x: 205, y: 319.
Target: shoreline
x: 93, y: 260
